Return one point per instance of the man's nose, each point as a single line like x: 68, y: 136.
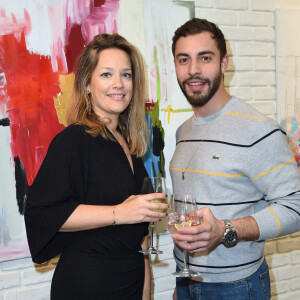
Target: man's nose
x: 195, y: 67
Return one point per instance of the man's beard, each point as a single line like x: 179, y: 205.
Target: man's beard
x: 198, y: 99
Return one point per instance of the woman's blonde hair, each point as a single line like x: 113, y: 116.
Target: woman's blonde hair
x: 132, y: 122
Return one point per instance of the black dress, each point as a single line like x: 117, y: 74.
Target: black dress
x: 102, y: 263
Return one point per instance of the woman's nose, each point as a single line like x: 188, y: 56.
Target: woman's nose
x: 118, y: 83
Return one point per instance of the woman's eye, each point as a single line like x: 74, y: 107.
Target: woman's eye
x: 127, y: 75
x: 106, y: 75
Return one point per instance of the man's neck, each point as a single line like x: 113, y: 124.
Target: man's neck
x: 213, y: 105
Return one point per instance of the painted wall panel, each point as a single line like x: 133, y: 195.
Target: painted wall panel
x: 39, y: 44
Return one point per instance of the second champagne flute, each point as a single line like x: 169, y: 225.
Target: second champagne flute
x: 153, y: 185
x: 183, y: 214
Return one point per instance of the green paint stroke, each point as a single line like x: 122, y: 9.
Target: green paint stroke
x: 156, y: 64
x: 154, y: 114
x: 154, y: 171
x: 189, y: 4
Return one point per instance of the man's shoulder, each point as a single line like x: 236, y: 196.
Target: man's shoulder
x: 242, y: 108
x: 248, y: 117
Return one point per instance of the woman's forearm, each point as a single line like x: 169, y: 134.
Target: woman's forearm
x: 86, y: 217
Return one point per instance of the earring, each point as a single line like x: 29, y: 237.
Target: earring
x: 89, y: 105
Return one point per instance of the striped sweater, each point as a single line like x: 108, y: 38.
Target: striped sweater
x: 238, y: 164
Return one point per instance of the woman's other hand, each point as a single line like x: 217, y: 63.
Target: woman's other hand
x: 140, y: 208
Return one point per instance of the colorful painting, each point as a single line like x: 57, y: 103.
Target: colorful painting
x: 288, y: 76
x: 39, y: 44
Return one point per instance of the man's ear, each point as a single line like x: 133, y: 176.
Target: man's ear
x: 224, y: 63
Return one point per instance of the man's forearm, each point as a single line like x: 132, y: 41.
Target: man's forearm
x: 246, y: 228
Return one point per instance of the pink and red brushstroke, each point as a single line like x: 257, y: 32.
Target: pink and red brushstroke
x: 30, y: 87
x: 31, y: 84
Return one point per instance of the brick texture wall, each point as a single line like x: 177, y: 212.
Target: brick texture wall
x: 250, y: 30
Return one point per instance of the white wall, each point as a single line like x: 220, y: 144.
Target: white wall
x: 249, y: 27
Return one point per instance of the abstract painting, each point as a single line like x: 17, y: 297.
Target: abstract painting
x: 39, y: 44
x: 288, y: 76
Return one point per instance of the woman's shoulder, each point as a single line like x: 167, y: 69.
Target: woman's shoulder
x: 73, y: 130
x: 70, y: 138
x: 71, y: 133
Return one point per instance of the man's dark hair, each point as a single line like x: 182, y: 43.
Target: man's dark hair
x: 195, y: 26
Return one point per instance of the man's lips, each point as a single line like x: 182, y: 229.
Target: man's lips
x: 196, y: 85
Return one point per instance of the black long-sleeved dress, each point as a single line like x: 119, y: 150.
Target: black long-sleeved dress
x: 102, y: 263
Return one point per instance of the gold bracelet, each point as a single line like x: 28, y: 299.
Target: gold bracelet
x: 114, y: 216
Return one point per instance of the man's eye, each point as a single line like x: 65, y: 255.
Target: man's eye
x: 205, y: 59
x: 183, y: 60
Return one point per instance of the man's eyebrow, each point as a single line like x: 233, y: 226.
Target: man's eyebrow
x: 182, y: 54
x: 206, y: 52
x: 199, y: 53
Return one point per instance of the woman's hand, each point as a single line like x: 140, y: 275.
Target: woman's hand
x: 139, y: 208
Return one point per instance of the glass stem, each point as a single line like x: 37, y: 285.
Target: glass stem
x: 151, y: 240
x: 185, y: 259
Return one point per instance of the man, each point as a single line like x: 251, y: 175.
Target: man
x: 237, y: 164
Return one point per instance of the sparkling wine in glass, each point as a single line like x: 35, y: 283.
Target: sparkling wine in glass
x: 153, y: 185
x: 183, y: 214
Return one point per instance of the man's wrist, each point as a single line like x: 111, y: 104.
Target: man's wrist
x: 222, y: 230
x: 230, y: 237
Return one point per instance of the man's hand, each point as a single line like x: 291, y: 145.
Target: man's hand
x: 202, y: 237
x: 209, y: 233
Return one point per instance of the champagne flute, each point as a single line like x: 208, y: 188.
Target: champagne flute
x: 183, y: 214
x: 153, y: 185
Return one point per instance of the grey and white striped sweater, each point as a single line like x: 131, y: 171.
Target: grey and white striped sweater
x: 243, y: 167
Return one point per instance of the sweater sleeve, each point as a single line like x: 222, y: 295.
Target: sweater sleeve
x: 273, y: 170
x: 56, y: 192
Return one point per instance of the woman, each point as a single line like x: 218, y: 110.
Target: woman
x: 85, y: 202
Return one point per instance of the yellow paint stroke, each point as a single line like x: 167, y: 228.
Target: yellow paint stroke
x: 278, y: 223
x: 265, y: 173
x: 243, y: 115
x: 205, y: 172
x: 170, y: 110
x: 169, y: 107
x: 63, y: 101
